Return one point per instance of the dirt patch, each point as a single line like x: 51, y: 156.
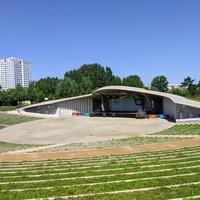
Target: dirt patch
x: 101, y: 152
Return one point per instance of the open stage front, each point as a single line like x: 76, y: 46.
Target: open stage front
x: 116, y: 114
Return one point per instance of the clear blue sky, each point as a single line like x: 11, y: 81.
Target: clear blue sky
x: 143, y: 37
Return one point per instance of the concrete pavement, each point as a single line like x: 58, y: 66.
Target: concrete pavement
x: 72, y: 129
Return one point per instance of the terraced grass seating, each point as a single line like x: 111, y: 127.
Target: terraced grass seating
x: 152, y: 175
x: 181, y: 129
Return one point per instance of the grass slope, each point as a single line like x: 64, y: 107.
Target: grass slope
x: 7, y: 119
x: 181, y: 129
x: 6, y: 147
x: 151, y: 175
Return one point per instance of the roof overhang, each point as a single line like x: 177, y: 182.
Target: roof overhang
x: 174, y: 98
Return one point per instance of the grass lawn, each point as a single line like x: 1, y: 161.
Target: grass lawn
x: 5, y: 146
x: 7, y: 108
x: 6, y: 119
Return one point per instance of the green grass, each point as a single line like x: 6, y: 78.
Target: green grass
x: 5, y: 146
x: 114, y: 143
x: 168, y: 174
x: 181, y: 129
x: 7, y: 119
x: 7, y: 108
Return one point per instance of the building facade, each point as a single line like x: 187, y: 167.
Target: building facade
x: 122, y: 99
x: 14, y: 71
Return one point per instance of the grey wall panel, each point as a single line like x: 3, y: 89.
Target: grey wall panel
x: 64, y: 108
x: 169, y: 107
x: 79, y: 105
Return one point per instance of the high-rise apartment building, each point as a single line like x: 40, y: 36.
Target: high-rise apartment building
x: 13, y: 71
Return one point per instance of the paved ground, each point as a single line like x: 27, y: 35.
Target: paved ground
x: 80, y: 129
x: 85, y: 129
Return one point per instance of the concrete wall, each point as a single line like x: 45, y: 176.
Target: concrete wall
x: 65, y: 108
x: 184, y: 112
x: 79, y: 105
x: 45, y: 109
x: 169, y: 107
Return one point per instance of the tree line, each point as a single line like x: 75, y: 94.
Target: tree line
x: 86, y: 79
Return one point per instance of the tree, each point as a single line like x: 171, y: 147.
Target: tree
x: 159, y: 83
x: 116, y: 80
x: 109, y: 78
x: 67, y: 88
x: 19, y: 93
x: 31, y: 92
x: 85, y: 85
x: 198, y: 85
x: 40, y: 96
x: 47, y: 85
x: 178, y: 91
x: 187, y: 82
x: 96, y: 73
x: 133, y: 81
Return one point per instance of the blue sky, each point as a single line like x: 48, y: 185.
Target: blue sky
x: 143, y: 37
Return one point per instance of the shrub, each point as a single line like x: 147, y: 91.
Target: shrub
x: 141, y: 114
x: 92, y: 114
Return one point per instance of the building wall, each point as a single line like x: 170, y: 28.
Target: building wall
x: 13, y: 71
x: 184, y: 112
x: 78, y: 106
x: 65, y: 108
x: 124, y: 105
x: 169, y: 108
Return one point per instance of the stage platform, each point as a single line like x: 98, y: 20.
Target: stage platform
x: 115, y: 114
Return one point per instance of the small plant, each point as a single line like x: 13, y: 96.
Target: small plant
x: 147, y: 116
x: 92, y: 114
x: 113, y: 114
x: 141, y: 114
x: 104, y: 114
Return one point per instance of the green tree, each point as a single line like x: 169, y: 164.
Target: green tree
x: 4, y: 98
x: 19, y: 93
x: 31, y: 92
x: 47, y: 85
x: 67, y: 88
x: 96, y: 73
x: 109, y: 78
x: 159, y: 83
x: 116, y: 80
x: 133, y: 81
x: 85, y: 85
x: 188, y: 84
x: 40, y: 96
x: 178, y: 91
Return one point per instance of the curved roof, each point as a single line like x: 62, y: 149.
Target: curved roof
x: 175, y: 98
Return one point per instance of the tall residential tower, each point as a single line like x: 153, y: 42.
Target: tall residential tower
x: 13, y: 71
